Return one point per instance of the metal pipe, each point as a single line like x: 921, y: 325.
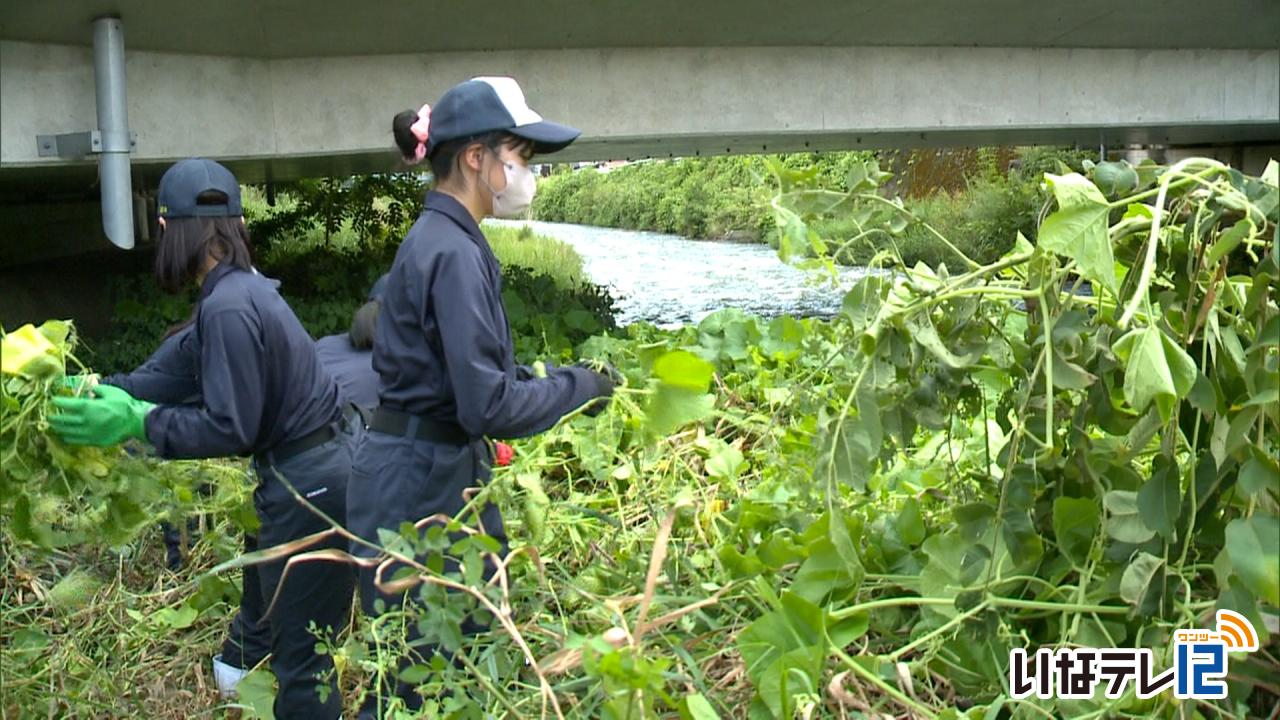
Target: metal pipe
x: 113, y: 124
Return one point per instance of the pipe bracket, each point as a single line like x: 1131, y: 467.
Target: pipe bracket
x: 81, y: 144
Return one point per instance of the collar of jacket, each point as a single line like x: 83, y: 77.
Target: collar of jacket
x: 449, y: 206
x: 214, y: 277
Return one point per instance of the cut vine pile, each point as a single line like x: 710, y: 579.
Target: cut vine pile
x: 1073, y: 446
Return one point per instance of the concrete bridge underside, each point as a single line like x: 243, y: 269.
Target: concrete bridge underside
x: 283, y: 118
x: 294, y: 88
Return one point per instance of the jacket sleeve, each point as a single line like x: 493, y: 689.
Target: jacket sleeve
x: 168, y: 376
x: 233, y: 386
x: 492, y: 397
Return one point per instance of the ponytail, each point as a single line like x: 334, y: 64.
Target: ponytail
x: 412, y: 133
x: 406, y: 141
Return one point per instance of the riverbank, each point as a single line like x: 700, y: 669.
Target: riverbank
x: 983, y: 206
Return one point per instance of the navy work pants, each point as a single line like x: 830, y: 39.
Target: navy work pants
x: 399, y: 479
x: 316, y: 592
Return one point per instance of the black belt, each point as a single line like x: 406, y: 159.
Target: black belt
x: 402, y: 424
x: 314, y: 439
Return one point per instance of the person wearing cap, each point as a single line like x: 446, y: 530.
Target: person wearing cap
x: 443, y: 351
x: 349, y: 356
x: 262, y: 393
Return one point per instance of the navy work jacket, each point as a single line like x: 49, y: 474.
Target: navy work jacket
x: 352, y: 368
x: 261, y: 383
x: 443, y: 347
x: 167, y: 377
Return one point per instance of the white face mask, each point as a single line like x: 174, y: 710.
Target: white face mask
x: 514, y: 201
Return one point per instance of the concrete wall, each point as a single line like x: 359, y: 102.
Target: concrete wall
x: 290, y: 117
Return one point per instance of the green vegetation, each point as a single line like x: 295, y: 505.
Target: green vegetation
x: 855, y: 517
x: 714, y: 197
x: 90, y: 624
x: 694, y: 197
x: 539, y: 254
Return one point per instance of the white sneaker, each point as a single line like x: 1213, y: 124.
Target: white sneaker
x: 227, y: 677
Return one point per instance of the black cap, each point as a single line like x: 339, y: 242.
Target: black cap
x: 486, y: 104
x: 182, y: 184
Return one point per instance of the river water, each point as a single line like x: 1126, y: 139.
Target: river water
x: 670, y: 280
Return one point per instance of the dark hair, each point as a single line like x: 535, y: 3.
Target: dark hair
x: 186, y: 242
x: 363, y: 325
x: 443, y: 157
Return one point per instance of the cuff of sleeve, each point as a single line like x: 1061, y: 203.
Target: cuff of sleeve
x: 147, y: 430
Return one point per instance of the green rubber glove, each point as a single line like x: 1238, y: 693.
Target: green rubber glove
x: 110, y: 418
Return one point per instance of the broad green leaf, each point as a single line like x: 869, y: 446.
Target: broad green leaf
x: 178, y: 618
x: 1115, y: 178
x: 1254, y: 546
x: 785, y: 649
x: 1021, y: 246
x: 796, y: 672
x: 924, y: 333
x: 1269, y: 336
x: 415, y: 674
x: 673, y: 407
x: 1021, y: 539
x: 845, y: 454
x: 1070, y: 376
x: 1181, y: 367
x: 1148, y: 171
x: 725, y: 462
x: 257, y: 695
x: 739, y: 565
x: 842, y: 540
x: 845, y: 631
x: 1267, y: 397
x: 1075, y: 523
x: 1240, y: 431
x: 796, y: 625
x: 1160, y: 498
x: 1230, y: 344
x: 910, y: 522
x: 869, y: 417
x: 1202, y: 396
x: 1138, y: 577
x: 683, y: 369
x: 1226, y: 243
x: 780, y: 549
x: 25, y: 528
x: 1258, y: 475
x: 1123, y: 520
x: 949, y: 570
x: 1156, y: 370
x: 696, y: 707
x: 1271, y: 175
x: 1078, y: 229
x: 824, y: 573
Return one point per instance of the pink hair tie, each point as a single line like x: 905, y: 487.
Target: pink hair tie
x: 421, y: 129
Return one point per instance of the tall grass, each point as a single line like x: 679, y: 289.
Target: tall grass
x: 541, y: 255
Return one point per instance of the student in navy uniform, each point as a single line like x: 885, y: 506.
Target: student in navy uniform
x: 263, y: 393
x: 448, y: 376
x: 349, y: 356
x: 168, y: 376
